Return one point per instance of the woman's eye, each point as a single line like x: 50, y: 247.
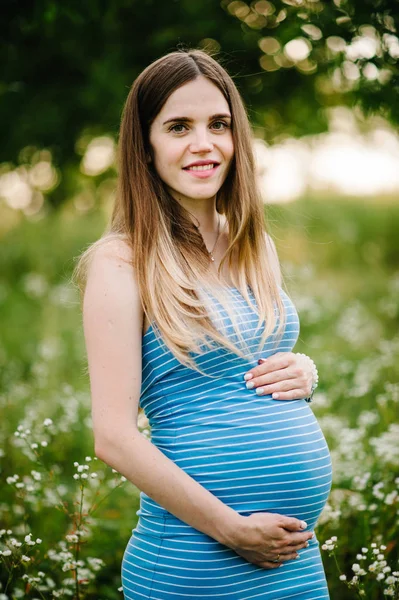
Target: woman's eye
x: 173, y: 128
x: 224, y: 125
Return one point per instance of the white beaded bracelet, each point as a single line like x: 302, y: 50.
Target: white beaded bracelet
x: 315, y: 376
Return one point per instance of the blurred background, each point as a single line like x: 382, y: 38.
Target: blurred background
x: 321, y: 84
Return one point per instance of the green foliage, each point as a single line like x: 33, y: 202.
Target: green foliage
x: 67, y: 67
x: 340, y: 262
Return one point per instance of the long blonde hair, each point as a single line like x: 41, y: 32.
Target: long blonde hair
x: 169, y: 256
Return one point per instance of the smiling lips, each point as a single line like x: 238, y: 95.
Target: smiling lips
x: 202, y: 168
x: 206, y: 167
x: 205, y: 162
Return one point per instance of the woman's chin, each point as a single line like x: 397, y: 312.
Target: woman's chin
x: 193, y: 194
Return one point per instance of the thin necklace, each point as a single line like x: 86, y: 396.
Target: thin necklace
x: 210, y: 252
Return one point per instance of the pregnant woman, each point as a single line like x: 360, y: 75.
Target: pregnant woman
x: 183, y: 298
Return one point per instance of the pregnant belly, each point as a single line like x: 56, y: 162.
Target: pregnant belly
x: 269, y: 458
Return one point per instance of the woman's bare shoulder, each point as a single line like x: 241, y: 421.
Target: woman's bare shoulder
x: 115, y: 247
x: 111, y: 272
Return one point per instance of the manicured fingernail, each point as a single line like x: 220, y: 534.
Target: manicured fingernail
x: 275, y: 395
x: 250, y: 385
x: 307, y: 545
x: 261, y: 361
x: 248, y: 376
x: 303, y: 524
x: 260, y: 391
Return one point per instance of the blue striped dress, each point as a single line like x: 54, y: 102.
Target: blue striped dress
x: 252, y: 452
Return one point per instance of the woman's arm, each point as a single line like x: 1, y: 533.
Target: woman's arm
x: 112, y: 318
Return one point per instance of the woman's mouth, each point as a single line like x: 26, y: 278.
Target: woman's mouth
x: 202, y: 171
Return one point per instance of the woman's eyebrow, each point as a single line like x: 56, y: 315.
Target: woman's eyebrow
x: 188, y: 120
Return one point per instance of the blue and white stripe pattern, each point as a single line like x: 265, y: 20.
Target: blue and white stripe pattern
x: 252, y: 452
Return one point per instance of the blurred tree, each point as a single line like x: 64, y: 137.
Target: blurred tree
x: 342, y: 51
x: 67, y: 66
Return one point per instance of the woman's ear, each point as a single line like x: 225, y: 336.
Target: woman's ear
x: 148, y: 158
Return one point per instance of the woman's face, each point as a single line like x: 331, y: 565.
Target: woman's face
x: 194, y: 126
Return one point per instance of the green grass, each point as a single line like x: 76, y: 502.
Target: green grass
x: 340, y: 261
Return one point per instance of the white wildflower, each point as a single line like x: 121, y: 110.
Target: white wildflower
x: 15, y: 543
x: 391, y: 498
x: 28, y: 540
x: 72, y: 538
x: 12, y: 479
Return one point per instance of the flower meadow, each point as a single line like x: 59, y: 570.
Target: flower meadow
x: 65, y: 516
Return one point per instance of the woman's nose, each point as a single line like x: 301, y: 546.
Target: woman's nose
x: 201, y: 141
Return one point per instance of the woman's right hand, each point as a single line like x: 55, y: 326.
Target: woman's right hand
x: 268, y: 539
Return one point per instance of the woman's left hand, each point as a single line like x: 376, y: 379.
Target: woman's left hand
x: 285, y: 375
